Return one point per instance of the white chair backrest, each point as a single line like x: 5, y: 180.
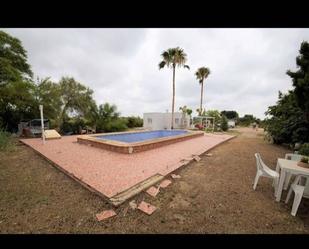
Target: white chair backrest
x: 306, y: 184
x: 261, y: 165
x: 258, y: 161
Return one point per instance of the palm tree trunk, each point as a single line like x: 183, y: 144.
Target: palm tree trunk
x: 173, y: 103
x: 201, y: 105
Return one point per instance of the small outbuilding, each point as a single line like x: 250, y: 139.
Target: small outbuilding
x: 162, y: 121
x: 231, y: 123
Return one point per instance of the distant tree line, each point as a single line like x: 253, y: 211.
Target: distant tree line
x: 230, y: 114
x: 68, y: 104
x: 246, y: 120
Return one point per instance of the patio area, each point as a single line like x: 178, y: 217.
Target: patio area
x: 214, y: 195
x: 113, y: 175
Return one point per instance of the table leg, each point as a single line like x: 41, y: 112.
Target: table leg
x: 280, y: 185
x: 277, y: 167
x: 277, y: 170
x: 287, y: 181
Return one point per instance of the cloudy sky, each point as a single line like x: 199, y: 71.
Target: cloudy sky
x: 248, y: 66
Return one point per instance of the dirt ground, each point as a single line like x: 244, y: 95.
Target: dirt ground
x: 214, y: 195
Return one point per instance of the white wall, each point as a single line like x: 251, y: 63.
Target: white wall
x: 158, y: 121
x: 231, y: 123
x: 161, y: 121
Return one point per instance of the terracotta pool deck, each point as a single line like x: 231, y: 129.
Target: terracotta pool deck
x: 110, y: 173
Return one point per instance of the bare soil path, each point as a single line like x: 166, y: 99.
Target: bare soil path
x: 213, y: 195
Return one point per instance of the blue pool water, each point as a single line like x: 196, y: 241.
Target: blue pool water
x: 142, y: 136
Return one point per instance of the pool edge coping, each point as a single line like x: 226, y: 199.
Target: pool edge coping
x: 128, y: 148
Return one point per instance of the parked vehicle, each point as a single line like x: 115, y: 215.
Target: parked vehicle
x: 32, y: 128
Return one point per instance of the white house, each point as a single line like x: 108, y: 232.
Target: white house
x: 231, y: 123
x: 162, y: 121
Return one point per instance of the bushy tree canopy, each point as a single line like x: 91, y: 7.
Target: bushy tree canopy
x: 108, y: 119
x: 48, y: 94
x: 247, y: 119
x: 230, y: 114
x: 17, y: 102
x: 13, y: 60
x: 68, y: 104
x: 288, y: 120
x: 300, y: 79
x: 132, y: 121
x: 16, y: 88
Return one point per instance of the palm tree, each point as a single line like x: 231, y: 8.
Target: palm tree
x: 185, y: 111
x: 201, y: 74
x: 173, y: 57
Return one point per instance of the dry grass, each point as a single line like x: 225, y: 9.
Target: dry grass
x: 213, y: 195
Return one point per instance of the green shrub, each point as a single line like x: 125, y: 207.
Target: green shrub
x: 74, y: 125
x: 304, y: 149
x: 224, y: 124
x: 66, y: 127
x: 6, y: 141
x: 134, y: 121
x: 208, y: 130
x: 78, y: 124
x: 115, y: 125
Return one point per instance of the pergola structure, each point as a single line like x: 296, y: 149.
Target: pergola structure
x: 206, y: 121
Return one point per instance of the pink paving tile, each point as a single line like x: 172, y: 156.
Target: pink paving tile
x: 105, y: 215
x: 153, y: 191
x: 146, y: 207
x: 165, y: 183
x: 109, y: 172
x: 175, y: 176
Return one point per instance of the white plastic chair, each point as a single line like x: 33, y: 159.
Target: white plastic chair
x: 300, y: 187
x: 264, y: 170
x: 293, y: 157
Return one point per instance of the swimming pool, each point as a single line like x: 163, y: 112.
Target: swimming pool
x: 137, y: 141
x: 141, y: 136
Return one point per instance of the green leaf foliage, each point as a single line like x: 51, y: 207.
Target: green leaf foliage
x: 6, y: 141
x: 304, y: 149
x: 13, y: 60
x: 108, y: 119
x: 224, y: 125
x: 288, y: 120
x: 230, y: 114
x: 132, y: 121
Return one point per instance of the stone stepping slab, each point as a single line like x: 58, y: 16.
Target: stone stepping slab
x: 105, y: 215
x: 153, y: 191
x: 146, y: 207
x: 165, y: 183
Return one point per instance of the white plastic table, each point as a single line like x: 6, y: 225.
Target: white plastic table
x: 287, y: 166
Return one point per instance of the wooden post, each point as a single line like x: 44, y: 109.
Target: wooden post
x: 42, y: 123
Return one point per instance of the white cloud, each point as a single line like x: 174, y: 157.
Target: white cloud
x: 121, y: 65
